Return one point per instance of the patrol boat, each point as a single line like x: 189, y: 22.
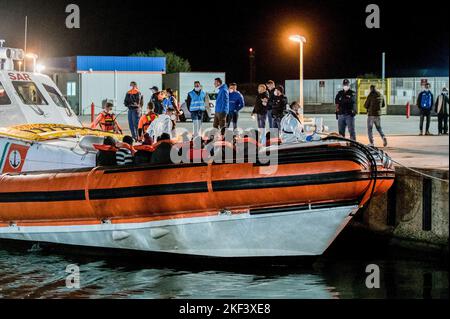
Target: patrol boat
x: 51, y: 191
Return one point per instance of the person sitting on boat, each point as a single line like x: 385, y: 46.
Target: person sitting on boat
x: 107, y: 120
x: 106, y: 156
x: 146, y: 120
x: 163, y: 147
x: 144, y: 151
x: 292, y: 129
x: 125, y: 153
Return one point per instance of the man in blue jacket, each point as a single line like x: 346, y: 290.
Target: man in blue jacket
x: 236, y: 104
x: 425, y: 104
x: 222, y: 104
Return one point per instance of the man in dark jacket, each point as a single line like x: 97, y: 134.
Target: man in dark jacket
x: 156, y: 100
x: 134, y: 102
x: 271, y: 90
x: 374, y: 103
x: 279, y: 103
x: 425, y: 103
x: 441, y: 108
x: 346, y: 110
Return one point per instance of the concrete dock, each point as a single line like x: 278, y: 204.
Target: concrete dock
x: 415, y: 212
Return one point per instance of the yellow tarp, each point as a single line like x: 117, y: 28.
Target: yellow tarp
x: 45, y: 132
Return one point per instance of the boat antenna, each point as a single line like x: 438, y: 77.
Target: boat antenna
x: 25, y: 43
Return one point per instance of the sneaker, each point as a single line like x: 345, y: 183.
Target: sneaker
x: 429, y: 134
x: 384, y: 142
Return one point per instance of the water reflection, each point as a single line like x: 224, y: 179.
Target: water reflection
x: 39, y: 274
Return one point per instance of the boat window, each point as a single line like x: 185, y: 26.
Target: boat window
x: 29, y: 93
x: 4, y: 98
x: 57, y: 99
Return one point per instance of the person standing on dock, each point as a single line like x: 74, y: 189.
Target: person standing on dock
x: 222, y: 104
x: 346, y: 110
x: 441, y: 108
x: 107, y: 120
x: 279, y: 105
x: 236, y: 104
x: 134, y: 102
x: 374, y: 103
x: 271, y: 90
x: 425, y: 103
x: 156, y: 99
x: 196, y: 104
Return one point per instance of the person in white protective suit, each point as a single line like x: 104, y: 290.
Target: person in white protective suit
x: 292, y: 129
x: 162, y: 124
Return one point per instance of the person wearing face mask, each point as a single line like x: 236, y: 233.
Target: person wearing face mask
x: 236, y: 104
x: 107, y: 120
x: 279, y: 103
x: 222, y: 104
x: 196, y: 104
x: 134, y: 102
x: 292, y: 129
x: 425, y: 103
x: 441, y: 108
x: 346, y: 110
x: 156, y: 99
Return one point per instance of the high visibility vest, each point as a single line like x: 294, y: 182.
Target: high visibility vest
x: 197, y: 101
x: 150, y: 118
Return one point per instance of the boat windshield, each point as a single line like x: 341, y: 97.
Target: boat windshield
x: 29, y: 93
x: 55, y: 96
x: 4, y: 98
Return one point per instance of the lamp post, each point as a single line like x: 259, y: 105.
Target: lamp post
x: 300, y: 39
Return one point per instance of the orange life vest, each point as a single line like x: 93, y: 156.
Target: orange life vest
x: 107, y: 123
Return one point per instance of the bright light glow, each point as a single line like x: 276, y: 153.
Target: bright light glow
x: 40, y: 68
x: 297, y: 38
x: 31, y: 56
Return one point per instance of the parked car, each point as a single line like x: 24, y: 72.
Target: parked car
x: 210, y: 109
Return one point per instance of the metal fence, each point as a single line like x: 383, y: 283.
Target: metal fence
x: 323, y: 91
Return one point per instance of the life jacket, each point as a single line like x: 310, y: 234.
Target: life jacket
x: 107, y: 124
x: 197, y: 101
x: 150, y: 118
x: 145, y: 148
x: 425, y: 101
x: 105, y: 148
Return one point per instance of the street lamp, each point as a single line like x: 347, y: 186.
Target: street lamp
x: 34, y: 57
x: 300, y: 39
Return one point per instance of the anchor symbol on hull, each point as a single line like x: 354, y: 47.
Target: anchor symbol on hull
x: 15, y: 159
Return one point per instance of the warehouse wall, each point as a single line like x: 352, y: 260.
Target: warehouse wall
x: 95, y: 87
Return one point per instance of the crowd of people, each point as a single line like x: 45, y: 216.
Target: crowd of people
x: 157, y: 124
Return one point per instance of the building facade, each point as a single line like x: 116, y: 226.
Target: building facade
x: 92, y: 79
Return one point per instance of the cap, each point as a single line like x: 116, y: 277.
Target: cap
x: 346, y: 82
x: 155, y: 88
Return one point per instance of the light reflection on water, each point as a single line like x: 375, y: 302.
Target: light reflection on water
x: 38, y: 274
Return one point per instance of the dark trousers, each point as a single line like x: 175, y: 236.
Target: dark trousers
x: 442, y: 123
x: 232, y: 117
x: 425, y: 114
x: 347, y: 121
x: 220, y: 120
x: 133, y: 121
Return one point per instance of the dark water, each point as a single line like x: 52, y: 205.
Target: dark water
x: 30, y: 272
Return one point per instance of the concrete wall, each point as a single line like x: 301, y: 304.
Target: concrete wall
x: 400, y: 213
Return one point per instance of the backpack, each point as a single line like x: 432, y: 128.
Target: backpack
x: 425, y: 100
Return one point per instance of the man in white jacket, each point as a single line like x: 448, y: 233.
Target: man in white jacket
x: 292, y: 129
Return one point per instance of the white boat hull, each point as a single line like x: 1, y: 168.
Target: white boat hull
x: 293, y: 233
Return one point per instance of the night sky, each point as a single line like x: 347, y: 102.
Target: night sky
x: 216, y: 35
